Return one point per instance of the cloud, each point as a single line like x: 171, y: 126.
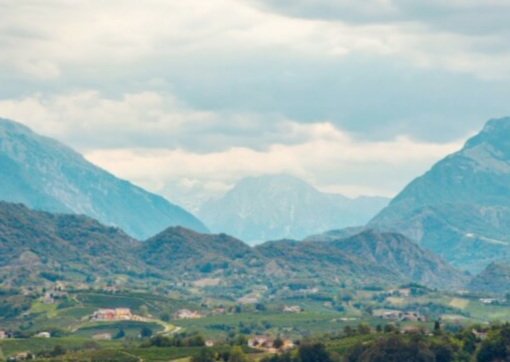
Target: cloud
x: 156, y: 140
x: 57, y: 38
x: 329, y: 159
x: 148, y: 120
x: 458, y: 16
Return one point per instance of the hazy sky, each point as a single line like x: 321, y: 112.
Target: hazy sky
x: 354, y: 96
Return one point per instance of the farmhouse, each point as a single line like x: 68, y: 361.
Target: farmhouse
x: 249, y: 299
x: 113, y: 314
x: 186, y: 314
x: 268, y: 344
x: 413, y: 317
x: 261, y: 342
x: 293, y: 309
x: 488, y: 301
x: 102, y: 337
x: 479, y: 335
x: 397, y: 315
x: 3, y: 334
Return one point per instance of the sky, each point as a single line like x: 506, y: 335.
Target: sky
x: 187, y: 97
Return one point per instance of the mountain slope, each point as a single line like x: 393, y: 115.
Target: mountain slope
x: 460, y: 209
x: 276, y: 207
x: 369, y: 256
x: 178, y: 250
x: 35, y: 244
x: 36, y: 241
x: 46, y: 175
x: 494, y: 279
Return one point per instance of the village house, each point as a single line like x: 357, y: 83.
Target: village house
x: 249, y: 299
x: 411, y: 330
x: 293, y: 309
x: 47, y: 299
x: 268, y: 344
x: 23, y: 356
x: 405, y: 292
x: 399, y: 316
x: 261, y: 342
x: 413, y: 317
x: 479, y: 335
x: 102, y: 337
x: 3, y: 334
x: 488, y: 301
x: 288, y: 344
x: 123, y: 313
x: 113, y: 314
x: 393, y: 315
x: 187, y: 314
x: 218, y: 311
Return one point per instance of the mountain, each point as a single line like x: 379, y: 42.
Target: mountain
x: 35, y: 242
x: 37, y: 245
x: 46, y: 175
x: 369, y: 255
x: 495, y: 279
x: 281, y: 206
x: 180, y: 250
x: 460, y: 209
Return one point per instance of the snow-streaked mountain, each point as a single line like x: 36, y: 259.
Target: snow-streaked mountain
x: 46, y: 175
x: 282, y: 206
x: 460, y: 209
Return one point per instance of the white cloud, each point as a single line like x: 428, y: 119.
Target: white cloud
x: 329, y: 159
x: 57, y: 38
x: 156, y: 140
x: 148, y: 120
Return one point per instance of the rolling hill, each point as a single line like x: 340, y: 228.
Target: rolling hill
x: 37, y: 245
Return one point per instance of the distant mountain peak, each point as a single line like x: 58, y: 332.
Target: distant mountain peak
x: 273, y: 207
x: 494, y: 138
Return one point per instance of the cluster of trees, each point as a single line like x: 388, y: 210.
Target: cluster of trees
x: 236, y: 354
x: 462, y: 346
x: 307, y: 352
x: 177, y: 341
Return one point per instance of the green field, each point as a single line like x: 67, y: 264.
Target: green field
x: 35, y: 345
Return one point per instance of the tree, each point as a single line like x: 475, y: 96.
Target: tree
x: 349, y: 332
x: 146, y: 332
x: 120, y: 334
x: 364, y: 329
x: 144, y: 310
x: 205, y: 355
x: 314, y: 352
x: 237, y: 355
x: 278, y: 343
x: 390, y: 328
x: 437, y: 327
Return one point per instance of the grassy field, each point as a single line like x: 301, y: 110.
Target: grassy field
x: 131, y: 328
x: 35, y: 345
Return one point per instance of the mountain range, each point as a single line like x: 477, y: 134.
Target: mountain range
x: 46, y: 175
x: 36, y: 245
x: 460, y: 209
x: 275, y: 207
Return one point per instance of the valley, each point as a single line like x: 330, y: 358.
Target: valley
x: 78, y: 287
